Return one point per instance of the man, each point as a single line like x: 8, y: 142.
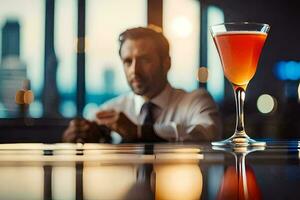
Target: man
x: 154, y: 111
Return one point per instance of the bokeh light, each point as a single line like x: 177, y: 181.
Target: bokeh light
x: 287, y: 70
x: 112, y: 174
x: 178, y: 181
x: 36, y: 109
x: 202, y: 75
x: 266, y: 104
x: 2, y: 111
x: 182, y: 27
x: 68, y: 109
x: 299, y: 93
x: 90, y: 110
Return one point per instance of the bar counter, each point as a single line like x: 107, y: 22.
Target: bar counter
x: 149, y: 171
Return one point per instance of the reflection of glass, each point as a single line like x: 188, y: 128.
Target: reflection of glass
x: 239, y: 46
x: 239, y: 181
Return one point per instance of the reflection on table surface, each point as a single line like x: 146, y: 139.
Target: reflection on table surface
x: 148, y: 171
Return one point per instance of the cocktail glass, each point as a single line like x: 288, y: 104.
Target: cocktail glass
x: 239, y: 46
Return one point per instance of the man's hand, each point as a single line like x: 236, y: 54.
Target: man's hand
x: 82, y: 130
x: 118, y: 122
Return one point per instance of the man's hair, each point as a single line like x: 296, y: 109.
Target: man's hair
x: 160, y: 41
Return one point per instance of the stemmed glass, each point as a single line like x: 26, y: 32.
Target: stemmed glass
x: 239, y: 46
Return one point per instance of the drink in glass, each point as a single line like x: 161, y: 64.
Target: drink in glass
x: 239, y: 46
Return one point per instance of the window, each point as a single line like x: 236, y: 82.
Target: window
x: 22, y: 42
x: 65, y: 49
x: 182, y: 28
x: 215, y: 84
x: 22, y: 47
x: 105, y: 20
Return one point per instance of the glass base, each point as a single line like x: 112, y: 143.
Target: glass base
x: 239, y: 140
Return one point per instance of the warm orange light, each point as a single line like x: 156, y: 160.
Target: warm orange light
x: 28, y: 97
x: 202, y: 75
x: 107, y: 181
x: 21, y: 182
x: 178, y: 181
x: 19, y: 98
x: 24, y: 97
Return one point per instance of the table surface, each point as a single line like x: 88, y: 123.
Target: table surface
x: 149, y: 171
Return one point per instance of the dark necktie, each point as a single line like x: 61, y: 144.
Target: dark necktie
x: 148, y: 134
x: 149, y: 118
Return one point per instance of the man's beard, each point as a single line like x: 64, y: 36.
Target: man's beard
x: 138, y: 90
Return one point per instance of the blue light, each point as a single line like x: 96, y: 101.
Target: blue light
x: 287, y: 70
x: 67, y: 109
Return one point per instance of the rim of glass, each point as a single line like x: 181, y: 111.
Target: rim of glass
x: 215, y: 26
x: 240, y: 23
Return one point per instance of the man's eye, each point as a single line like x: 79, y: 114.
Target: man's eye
x: 127, y: 62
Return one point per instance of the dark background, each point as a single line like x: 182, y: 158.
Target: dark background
x: 282, y: 44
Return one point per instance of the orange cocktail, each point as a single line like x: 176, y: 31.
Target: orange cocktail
x: 239, y: 45
x: 239, y: 52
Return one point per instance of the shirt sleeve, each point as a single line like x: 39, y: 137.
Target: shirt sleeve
x: 118, y: 103
x: 200, y: 120
x: 167, y: 131
x: 203, y: 120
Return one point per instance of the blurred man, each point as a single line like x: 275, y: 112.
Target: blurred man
x: 154, y: 111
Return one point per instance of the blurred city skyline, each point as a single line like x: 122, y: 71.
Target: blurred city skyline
x: 101, y: 46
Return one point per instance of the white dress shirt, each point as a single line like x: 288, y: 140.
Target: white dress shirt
x: 179, y: 115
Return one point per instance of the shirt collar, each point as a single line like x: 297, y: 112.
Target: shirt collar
x: 160, y: 100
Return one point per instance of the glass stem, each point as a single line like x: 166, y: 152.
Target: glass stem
x: 241, y: 176
x: 239, y: 94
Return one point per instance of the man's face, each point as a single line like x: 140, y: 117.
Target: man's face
x: 145, y: 72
